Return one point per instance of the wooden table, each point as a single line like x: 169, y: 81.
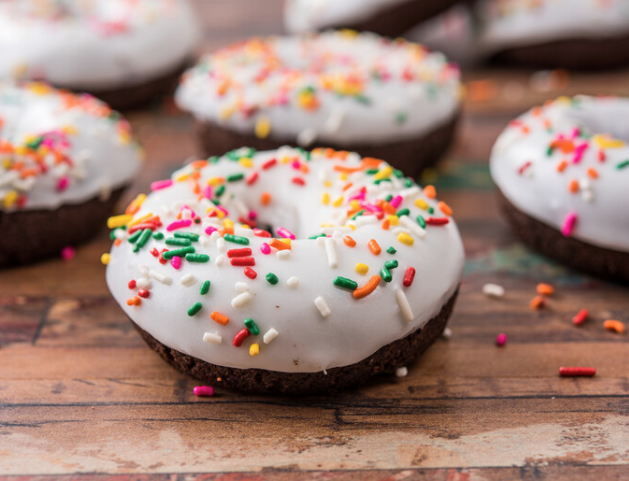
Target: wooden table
x: 80, y: 392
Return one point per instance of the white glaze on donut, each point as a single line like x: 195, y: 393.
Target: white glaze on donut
x: 306, y: 322
x: 95, y: 44
x: 58, y: 148
x: 584, y: 174
x: 338, y: 87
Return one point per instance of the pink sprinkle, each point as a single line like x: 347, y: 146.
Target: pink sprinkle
x: 179, y: 224
x: 295, y: 165
x: 579, y: 151
x: 501, y: 340
x: 210, y: 230
x: 223, y: 210
x: 161, y: 184
x: 568, y: 224
x: 207, y: 192
x: 370, y: 207
x: 176, y: 262
x: 524, y: 167
x: 67, y: 253
x: 281, y: 231
x: 396, y: 201
x: 265, y: 249
x: 253, y: 215
x: 203, y: 391
x: 63, y: 184
x: 575, y: 133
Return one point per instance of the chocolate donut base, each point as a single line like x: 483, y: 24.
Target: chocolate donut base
x: 605, y: 263
x: 575, y: 54
x: 410, y: 156
x: 32, y: 235
x: 396, y: 20
x: 384, y: 361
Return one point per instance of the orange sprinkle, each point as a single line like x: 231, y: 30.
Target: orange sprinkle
x: 481, y: 90
x: 349, y: 242
x: 347, y: 186
x: 374, y: 247
x: 304, y: 168
x: 117, y: 242
x: 538, y: 302
x: 265, y: 198
x: 385, y: 206
x: 545, y: 289
x: 226, y: 230
x: 613, y: 325
x: 368, y: 288
x: 279, y: 245
x: 220, y: 318
x: 445, y: 208
x: 198, y: 164
x: 574, y: 186
x: 386, y: 223
x: 593, y: 173
x: 134, y: 301
x: 562, y: 166
x: 430, y: 191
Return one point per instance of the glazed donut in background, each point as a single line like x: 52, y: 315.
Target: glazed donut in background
x: 563, y: 175
x: 385, y: 17
x: 357, y: 92
x: 64, y: 161
x: 287, y: 271
x: 123, y: 51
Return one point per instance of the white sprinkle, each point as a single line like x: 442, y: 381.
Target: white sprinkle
x: 493, y: 290
x: 143, y: 283
x: 447, y: 333
x: 413, y: 226
x: 241, y: 300
x: 323, y: 174
x: 285, y: 254
x: 330, y: 251
x: 321, y: 241
x: 334, y: 121
x: 366, y: 219
x: 323, y: 307
x: 587, y: 195
x: 220, y: 260
x: 401, y: 230
x: 401, y: 372
x: 241, y: 208
x: 121, y: 234
x: 159, y: 277
x: 188, y: 280
x: 405, y: 307
x: 242, y: 287
x: 214, y: 236
x: 212, y: 338
x: 204, y: 241
x: 221, y: 245
x: 306, y: 137
x: 410, y: 192
x: 585, y: 184
x: 270, y: 335
x: 186, y: 214
x: 292, y: 282
x: 242, y: 232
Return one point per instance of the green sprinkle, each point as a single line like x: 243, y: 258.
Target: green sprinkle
x: 431, y: 210
x: 197, y: 258
x: 252, y: 327
x: 142, y: 241
x: 549, y: 151
x: 392, y: 264
x: 392, y: 250
x: 372, y: 171
x: 402, y: 212
x: 380, y: 181
x: 178, y: 252
x: 401, y: 117
x: 386, y: 275
x: 421, y: 221
x: 158, y: 235
x: 215, y: 201
x: 173, y: 241
x: 214, y: 159
x: 345, y: 283
x: 205, y: 288
x: 235, y: 177
x: 187, y: 235
x: 408, y: 182
x: 272, y: 278
x: 358, y: 214
x: 243, y: 241
x: 220, y: 191
x: 135, y: 236
x: 398, y: 173
x: 195, y: 309
x: 316, y: 236
x: 363, y: 100
x: 622, y: 165
x: 388, y: 198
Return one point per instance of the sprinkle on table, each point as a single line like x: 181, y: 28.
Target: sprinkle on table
x: 577, y: 371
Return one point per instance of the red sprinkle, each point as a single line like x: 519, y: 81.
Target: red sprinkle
x: 240, y: 337
x: 409, y: 276
x: 244, y: 252
x: 298, y: 181
x: 581, y: 317
x: 524, y: 167
x: 437, y: 220
x: 501, y: 339
x: 243, y: 261
x: 252, y: 178
x: 144, y: 293
x: 250, y: 273
x: 154, y: 252
x: 132, y: 284
x: 161, y: 257
x: 577, y: 371
x: 268, y: 164
x: 261, y: 233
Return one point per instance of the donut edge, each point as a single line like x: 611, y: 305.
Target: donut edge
x: 384, y: 361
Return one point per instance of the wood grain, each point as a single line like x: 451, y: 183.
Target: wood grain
x: 80, y: 393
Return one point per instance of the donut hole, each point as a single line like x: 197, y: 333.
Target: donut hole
x: 602, y: 117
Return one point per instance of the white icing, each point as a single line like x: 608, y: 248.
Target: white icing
x: 100, y: 152
x: 313, y: 324
x: 95, y: 44
x: 542, y: 192
x: 310, y: 15
x: 226, y: 87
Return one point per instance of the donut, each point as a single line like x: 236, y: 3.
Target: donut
x: 342, y: 90
x: 65, y: 160
x: 577, y: 34
x: 384, y: 17
x: 562, y: 171
x: 123, y: 51
x: 287, y: 271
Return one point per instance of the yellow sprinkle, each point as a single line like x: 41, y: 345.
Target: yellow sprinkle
x: 21, y: 150
x: 605, y: 142
x: 285, y: 159
x: 325, y: 198
x: 137, y: 202
x: 227, y: 113
x: 263, y: 128
x: 384, y: 173
x: 9, y: 199
x: 7, y: 163
x: 354, y: 204
x: 405, y: 239
x: 254, y: 349
x: 287, y: 241
x: 182, y: 178
x: 140, y: 220
x: 349, y: 33
x: 422, y: 204
x: 362, y: 269
x: 118, y: 221
x: 343, y: 176
x: 39, y: 88
x: 214, y: 181
x: 246, y: 162
x: 70, y: 129
x: 338, y: 202
x: 228, y: 224
x: 105, y: 258
x: 393, y: 219
x: 327, y: 183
